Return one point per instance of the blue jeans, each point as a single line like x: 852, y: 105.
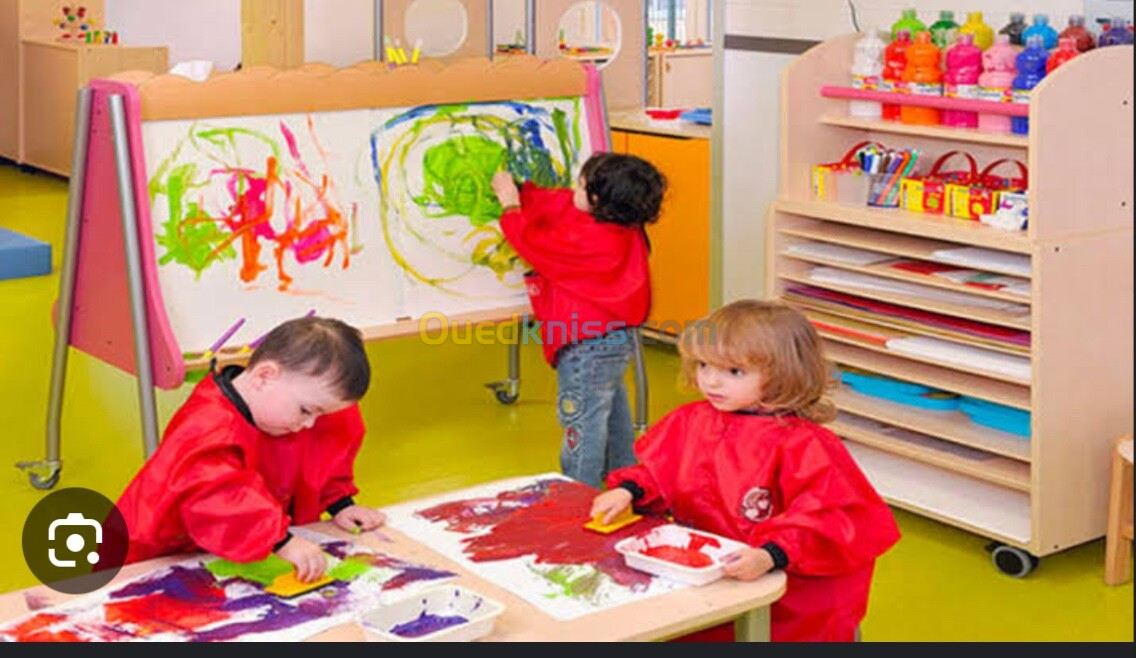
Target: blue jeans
x: 592, y: 408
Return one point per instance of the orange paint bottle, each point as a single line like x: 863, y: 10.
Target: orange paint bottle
x: 922, y: 76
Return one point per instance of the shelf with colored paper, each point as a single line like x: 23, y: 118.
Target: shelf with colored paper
x: 888, y: 243
x: 935, y: 132
x: 954, y: 426
x: 923, y: 323
x: 961, y: 311
x: 936, y: 227
x: 898, y: 366
x: 891, y: 271
x: 983, y: 465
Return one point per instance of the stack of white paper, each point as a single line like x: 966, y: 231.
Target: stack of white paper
x: 963, y: 356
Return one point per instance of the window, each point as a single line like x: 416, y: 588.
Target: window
x: 680, y: 20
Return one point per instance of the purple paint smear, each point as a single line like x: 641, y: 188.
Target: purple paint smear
x: 427, y: 624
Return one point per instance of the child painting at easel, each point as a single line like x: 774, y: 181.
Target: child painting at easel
x: 589, y: 285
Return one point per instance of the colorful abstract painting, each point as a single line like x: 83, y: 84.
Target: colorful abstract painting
x: 209, y: 600
x: 367, y: 215
x: 527, y: 535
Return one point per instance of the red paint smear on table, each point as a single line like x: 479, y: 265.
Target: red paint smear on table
x: 160, y: 613
x: 546, y: 521
x: 37, y: 629
x: 688, y: 557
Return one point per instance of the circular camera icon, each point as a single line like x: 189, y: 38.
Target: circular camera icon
x: 75, y: 540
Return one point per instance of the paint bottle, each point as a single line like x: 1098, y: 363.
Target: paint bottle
x: 1066, y: 50
x: 964, y: 66
x: 1031, y: 69
x: 895, y: 60
x: 907, y: 21
x: 983, y: 33
x: 1015, y: 28
x: 944, y: 32
x: 1076, y: 31
x: 923, y: 78
x: 1041, y: 28
x: 867, y: 67
x: 1116, y: 33
x: 998, y: 67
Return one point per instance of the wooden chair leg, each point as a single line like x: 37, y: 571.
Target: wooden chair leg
x: 1118, y: 547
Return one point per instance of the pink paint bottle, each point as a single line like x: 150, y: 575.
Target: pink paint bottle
x: 964, y: 66
x: 994, y: 84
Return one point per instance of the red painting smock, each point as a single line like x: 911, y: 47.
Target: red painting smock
x: 217, y: 483
x: 772, y: 479
x: 589, y: 277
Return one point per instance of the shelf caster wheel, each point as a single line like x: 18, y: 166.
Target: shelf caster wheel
x: 44, y: 483
x: 1013, y: 561
x: 42, y: 475
x: 505, y: 392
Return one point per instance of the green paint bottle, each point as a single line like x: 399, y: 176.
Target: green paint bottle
x: 944, y: 31
x: 908, y: 21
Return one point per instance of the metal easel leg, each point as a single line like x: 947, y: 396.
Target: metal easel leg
x: 509, y: 390
x: 134, y: 276
x: 45, y: 474
x: 640, y: 381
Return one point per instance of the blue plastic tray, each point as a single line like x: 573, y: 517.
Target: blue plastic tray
x: 895, y: 390
x: 998, y: 416
x: 700, y: 115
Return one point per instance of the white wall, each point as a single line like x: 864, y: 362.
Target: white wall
x: 201, y: 29
x: 508, y: 17
x: 751, y: 105
x: 340, y: 32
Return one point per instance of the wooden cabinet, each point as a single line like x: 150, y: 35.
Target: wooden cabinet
x: 53, y: 73
x: 680, y: 240
x: 40, y: 76
x: 680, y: 78
x: 1042, y: 493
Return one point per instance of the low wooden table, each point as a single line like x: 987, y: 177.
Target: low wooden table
x: 656, y: 618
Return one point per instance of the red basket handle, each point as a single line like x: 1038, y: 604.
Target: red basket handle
x: 986, y: 177
x: 947, y: 156
x: 849, y: 158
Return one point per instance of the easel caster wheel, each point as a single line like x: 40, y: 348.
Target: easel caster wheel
x: 505, y: 397
x: 1013, y: 561
x: 44, y: 483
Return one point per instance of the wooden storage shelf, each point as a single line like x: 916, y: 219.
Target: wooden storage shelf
x: 952, y: 426
x: 888, y: 272
x: 993, y: 316
x: 914, y: 330
x: 938, y: 227
x: 919, y: 359
x: 981, y: 507
x: 888, y: 243
x: 936, y: 132
x: 1046, y: 493
x: 996, y: 470
x: 899, y: 366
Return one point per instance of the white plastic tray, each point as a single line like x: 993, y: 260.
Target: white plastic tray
x: 395, y: 621
x: 680, y: 537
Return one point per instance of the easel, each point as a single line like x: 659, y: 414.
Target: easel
x: 110, y: 264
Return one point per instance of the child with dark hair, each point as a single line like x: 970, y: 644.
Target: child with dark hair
x: 589, y: 285
x: 255, y: 450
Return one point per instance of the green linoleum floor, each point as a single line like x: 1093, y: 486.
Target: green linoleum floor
x: 433, y: 427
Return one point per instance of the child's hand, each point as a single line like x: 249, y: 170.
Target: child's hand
x: 307, y: 556
x: 506, y: 189
x: 747, y: 563
x: 610, y: 504
x: 358, y: 517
